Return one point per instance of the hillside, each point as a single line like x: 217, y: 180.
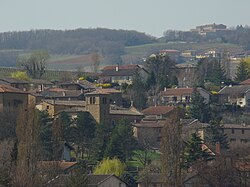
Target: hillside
x: 107, y: 42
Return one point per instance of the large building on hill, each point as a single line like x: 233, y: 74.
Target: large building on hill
x: 122, y: 73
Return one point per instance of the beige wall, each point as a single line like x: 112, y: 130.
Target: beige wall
x: 149, y: 136
x: 100, y: 108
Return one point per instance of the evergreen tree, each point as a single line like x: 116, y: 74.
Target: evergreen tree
x: 215, y: 134
x: 199, y: 109
x: 151, y: 81
x: 162, y: 67
x: 137, y: 92
x: 121, y: 141
x: 193, y: 152
x: 79, y: 178
x: 100, y: 142
x: 46, y: 135
x: 84, y: 132
x: 219, y: 74
x: 65, y: 122
x: 242, y: 71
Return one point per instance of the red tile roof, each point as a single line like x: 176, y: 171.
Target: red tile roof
x: 157, y: 110
x: 177, y: 91
x: 245, y: 82
x: 4, y: 88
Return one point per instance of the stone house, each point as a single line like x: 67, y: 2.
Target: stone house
x: 16, y: 83
x: 235, y: 95
x: 54, y: 107
x: 83, y: 85
x: 181, y: 96
x: 12, y: 98
x: 158, y: 112
x: 97, y: 103
x: 237, y: 133
x: 148, y: 133
x: 122, y: 73
x: 62, y: 94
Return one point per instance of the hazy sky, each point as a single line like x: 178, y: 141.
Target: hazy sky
x: 149, y: 16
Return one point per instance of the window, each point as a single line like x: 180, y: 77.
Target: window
x: 243, y: 140
x: 232, y: 131
x: 47, y: 107
x: 242, y: 131
x: 174, y: 99
x: 232, y: 140
x: 92, y: 100
x: 104, y: 100
x: 158, y: 139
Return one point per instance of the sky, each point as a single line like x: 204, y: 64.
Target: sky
x: 152, y: 17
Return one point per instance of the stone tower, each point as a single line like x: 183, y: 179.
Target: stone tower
x: 97, y: 104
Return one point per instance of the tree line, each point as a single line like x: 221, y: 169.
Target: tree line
x: 238, y: 35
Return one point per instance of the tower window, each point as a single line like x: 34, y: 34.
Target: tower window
x: 92, y: 100
x: 104, y: 100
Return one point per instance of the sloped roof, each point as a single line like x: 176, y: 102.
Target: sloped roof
x: 108, y: 90
x: 150, y: 124
x: 245, y: 82
x: 116, y: 110
x: 157, y: 110
x: 61, y: 93
x: 67, y: 103
x: 123, y: 70
x: 41, y: 81
x: 177, y: 91
x: 4, y: 88
x: 14, y: 81
x: 234, y: 90
x: 62, y: 165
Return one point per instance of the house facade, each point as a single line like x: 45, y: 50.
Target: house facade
x: 181, y: 96
x: 123, y: 73
x: 235, y: 95
x: 12, y: 98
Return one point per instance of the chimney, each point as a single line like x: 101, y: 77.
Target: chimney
x: 217, y: 148
x: 132, y: 103
x: 165, y: 89
x: 63, y: 94
x: 117, y: 67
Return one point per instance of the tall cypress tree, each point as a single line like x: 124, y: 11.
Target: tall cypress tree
x: 242, y: 71
x: 193, y: 152
x: 199, y: 109
x: 215, y: 134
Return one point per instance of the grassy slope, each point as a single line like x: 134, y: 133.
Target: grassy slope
x: 72, y: 62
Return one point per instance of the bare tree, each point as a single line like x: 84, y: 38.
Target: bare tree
x: 95, y: 57
x: 171, y: 148
x: 27, y: 131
